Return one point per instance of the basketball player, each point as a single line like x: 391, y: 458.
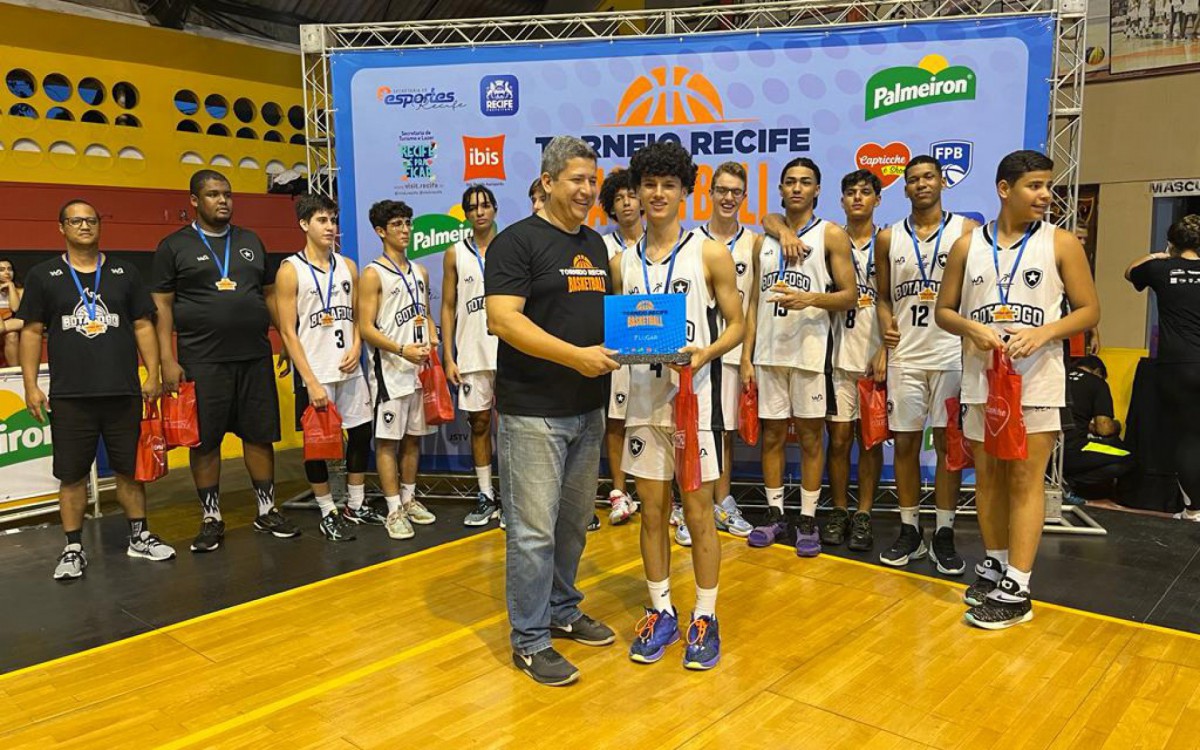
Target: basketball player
x: 789, y: 338
x: 394, y: 322
x: 669, y: 260
x: 728, y: 193
x: 1004, y: 287
x: 922, y: 361
x: 464, y: 325
x: 619, y: 199
x: 316, y: 298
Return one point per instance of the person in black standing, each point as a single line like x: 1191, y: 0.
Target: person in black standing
x: 213, y: 285
x: 1175, y: 278
x: 94, y: 310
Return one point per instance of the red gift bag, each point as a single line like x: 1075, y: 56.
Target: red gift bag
x: 873, y: 412
x: 181, y: 420
x: 687, y: 434
x: 439, y: 409
x: 1004, y: 433
x: 959, y: 455
x: 748, y: 414
x: 151, y: 461
x: 322, y: 433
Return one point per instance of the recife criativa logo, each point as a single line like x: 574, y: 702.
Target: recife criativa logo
x: 931, y: 81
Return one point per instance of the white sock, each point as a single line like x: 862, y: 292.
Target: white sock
x: 393, y: 502
x: 945, y: 519
x: 706, y: 602
x: 326, y: 504
x: 1020, y: 576
x: 999, y: 554
x: 775, y: 497
x: 484, y: 475
x: 408, y: 493
x: 808, y: 502
x: 357, y: 494
x: 660, y: 595
x: 910, y: 516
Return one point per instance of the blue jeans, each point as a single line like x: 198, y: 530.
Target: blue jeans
x: 549, y: 470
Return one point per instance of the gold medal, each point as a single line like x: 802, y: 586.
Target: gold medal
x: 781, y: 284
x: 927, y: 295
x: 226, y: 285
x: 326, y: 319
x: 419, y: 320
x: 865, y: 301
x: 95, y: 327
x: 1004, y: 314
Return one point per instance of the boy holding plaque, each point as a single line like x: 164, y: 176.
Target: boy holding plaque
x: 669, y: 260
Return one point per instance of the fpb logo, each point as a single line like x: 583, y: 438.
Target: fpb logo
x: 483, y: 158
x: 956, y: 158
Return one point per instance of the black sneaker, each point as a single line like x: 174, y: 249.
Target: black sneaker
x: 594, y: 524
x: 486, y: 508
x: 862, y: 538
x: 943, y: 554
x: 910, y: 545
x: 585, y: 630
x: 835, y: 529
x: 335, y: 529
x: 547, y: 667
x: 990, y: 571
x: 1003, y: 608
x: 364, y: 516
x: 212, y: 533
x: 273, y: 523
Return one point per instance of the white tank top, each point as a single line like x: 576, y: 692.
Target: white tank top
x: 403, y: 297
x: 652, y: 388
x: 923, y: 346
x: 317, y: 302
x: 1035, y: 297
x: 856, y: 333
x: 742, y: 249
x: 475, y: 345
x: 614, y: 241
x: 794, y: 338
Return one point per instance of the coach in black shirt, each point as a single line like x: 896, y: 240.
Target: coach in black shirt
x: 98, y: 318
x: 545, y: 280
x: 212, y: 285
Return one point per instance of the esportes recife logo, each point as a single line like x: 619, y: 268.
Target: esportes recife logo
x: 931, y: 81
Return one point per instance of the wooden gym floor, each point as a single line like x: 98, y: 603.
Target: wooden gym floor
x: 413, y: 652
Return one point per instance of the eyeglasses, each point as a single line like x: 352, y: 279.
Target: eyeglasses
x: 78, y: 221
x: 399, y: 223
x: 735, y: 193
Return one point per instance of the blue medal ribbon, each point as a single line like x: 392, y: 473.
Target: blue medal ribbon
x: 870, y: 248
x: 731, y: 243
x: 641, y: 246
x: 404, y: 277
x: 783, y: 260
x: 478, y: 256
x: 223, y: 269
x: 327, y: 301
x: 936, y: 248
x: 1002, y: 288
x: 89, y: 307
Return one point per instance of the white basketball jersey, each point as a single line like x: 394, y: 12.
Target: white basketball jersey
x: 475, y: 345
x: 856, y: 331
x: 793, y: 338
x: 742, y: 249
x: 923, y: 346
x: 652, y: 388
x: 1035, y: 298
x: 614, y: 241
x: 316, y: 301
x: 403, y: 297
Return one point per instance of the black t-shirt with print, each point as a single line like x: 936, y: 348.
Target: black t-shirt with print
x: 1176, y: 285
x: 87, y: 359
x: 563, y: 278
x: 214, y: 325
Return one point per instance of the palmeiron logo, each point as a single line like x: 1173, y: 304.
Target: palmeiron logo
x: 931, y: 81
x: 22, y: 438
x: 434, y: 233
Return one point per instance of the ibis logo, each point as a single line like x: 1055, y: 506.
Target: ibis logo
x: 931, y: 81
x: 22, y: 438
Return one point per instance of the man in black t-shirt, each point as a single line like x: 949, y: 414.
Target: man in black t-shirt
x: 213, y: 286
x: 1092, y: 473
x: 98, y: 318
x: 545, y: 280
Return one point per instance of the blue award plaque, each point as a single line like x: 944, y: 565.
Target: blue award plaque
x: 646, y: 328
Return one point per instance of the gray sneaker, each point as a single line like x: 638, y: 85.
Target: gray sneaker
x: 150, y: 547
x: 418, y: 513
x: 585, y: 630
x: 71, y: 563
x: 485, y: 510
x: 547, y: 667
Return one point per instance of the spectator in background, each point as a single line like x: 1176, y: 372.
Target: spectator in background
x: 1094, y: 456
x: 10, y: 301
x: 537, y: 196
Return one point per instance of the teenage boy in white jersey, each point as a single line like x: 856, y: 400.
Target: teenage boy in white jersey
x: 470, y: 353
x: 922, y: 361
x: 1003, y: 289
x: 394, y: 321
x: 669, y: 260
x: 316, y: 295
x: 619, y: 200
x: 788, y: 342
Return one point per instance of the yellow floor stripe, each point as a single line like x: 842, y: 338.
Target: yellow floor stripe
x: 244, y: 605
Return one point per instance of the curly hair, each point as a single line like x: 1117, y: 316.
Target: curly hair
x: 1185, y: 234
x: 664, y: 159
x: 862, y: 176
x: 384, y: 211
x: 617, y: 180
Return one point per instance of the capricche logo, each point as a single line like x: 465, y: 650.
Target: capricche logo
x: 931, y: 81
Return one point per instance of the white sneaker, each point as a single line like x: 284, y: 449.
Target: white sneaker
x: 398, y: 525
x: 71, y: 563
x: 622, y: 508
x: 1188, y: 515
x: 418, y: 513
x: 676, y: 516
x: 150, y: 547
x: 683, y: 537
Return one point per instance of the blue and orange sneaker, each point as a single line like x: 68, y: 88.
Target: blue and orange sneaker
x: 655, y: 631
x: 704, y: 643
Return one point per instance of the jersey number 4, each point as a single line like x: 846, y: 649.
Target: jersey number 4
x: 920, y: 316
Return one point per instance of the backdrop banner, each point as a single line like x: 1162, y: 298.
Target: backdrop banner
x: 26, y: 453
x: 419, y: 125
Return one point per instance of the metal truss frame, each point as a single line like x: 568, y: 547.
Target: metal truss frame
x: 1064, y: 129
